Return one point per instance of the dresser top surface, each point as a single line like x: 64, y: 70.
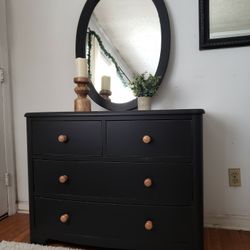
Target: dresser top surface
x: 117, y: 113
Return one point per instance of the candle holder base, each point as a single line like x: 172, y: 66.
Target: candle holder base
x: 82, y: 103
x: 105, y: 93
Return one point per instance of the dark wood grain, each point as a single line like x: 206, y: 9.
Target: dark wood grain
x: 15, y: 228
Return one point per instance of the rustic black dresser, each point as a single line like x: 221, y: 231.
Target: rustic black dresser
x: 122, y: 180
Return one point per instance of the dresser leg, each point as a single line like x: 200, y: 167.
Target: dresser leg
x: 38, y: 240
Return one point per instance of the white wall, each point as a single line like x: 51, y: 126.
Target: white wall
x: 42, y: 36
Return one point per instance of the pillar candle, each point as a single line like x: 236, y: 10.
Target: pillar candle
x: 106, y: 82
x: 81, y: 67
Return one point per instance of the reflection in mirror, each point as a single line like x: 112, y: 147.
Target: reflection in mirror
x: 125, y: 40
x: 224, y: 23
x: 229, y: 18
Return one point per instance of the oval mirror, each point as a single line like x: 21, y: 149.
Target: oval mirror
x: 122, y: 38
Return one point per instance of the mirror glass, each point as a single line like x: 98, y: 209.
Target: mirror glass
x: 124, y: 38
x: 224, y: 23
x: 229, y: 18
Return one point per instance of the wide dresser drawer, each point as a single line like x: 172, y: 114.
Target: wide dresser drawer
x: 152, y: 183
x: 72, y: 138
x: 150, y: 138
x: 133, y: 227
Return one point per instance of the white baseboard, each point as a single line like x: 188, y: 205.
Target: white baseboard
x: 23, y: 207
x: 227, y: 221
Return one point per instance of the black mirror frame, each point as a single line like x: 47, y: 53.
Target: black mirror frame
x: 206, y: 42
x: 164, y: 55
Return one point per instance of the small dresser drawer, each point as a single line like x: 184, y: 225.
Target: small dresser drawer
x: 132, y: 227
x: 158, y: 183
x: 68, y: 138
x: 150, y: 138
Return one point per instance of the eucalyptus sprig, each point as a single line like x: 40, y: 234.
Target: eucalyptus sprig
x: 144, y: 84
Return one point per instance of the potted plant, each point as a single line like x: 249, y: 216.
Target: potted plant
x: 144, y: 86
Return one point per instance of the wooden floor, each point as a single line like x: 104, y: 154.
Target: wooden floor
x: 16, y: 228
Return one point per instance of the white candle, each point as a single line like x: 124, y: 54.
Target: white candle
x: 81, y: 67
x: 106, y: 82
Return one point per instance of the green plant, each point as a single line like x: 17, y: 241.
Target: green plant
x: 144, y: 84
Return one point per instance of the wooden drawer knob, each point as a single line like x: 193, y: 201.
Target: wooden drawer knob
x: 62, y: 138
x: 148, y: 225
x: 64, y: 218
x: 63, y: 179
x: 146, y: 139
x: 148, y: 182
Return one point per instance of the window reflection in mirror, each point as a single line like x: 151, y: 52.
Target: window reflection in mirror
x: 229, y: 18
x: 130, y: 32
x: 101, y: 65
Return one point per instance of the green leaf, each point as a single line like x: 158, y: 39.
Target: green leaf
x: 144, y: 84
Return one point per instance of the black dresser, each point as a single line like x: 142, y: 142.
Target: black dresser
x: 122, y: 180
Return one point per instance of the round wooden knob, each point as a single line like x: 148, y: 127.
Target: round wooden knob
x: 63, y: 179
x: 149, y: 225
x: 148, y: 182
x: 146, y: 139
x: 64, y: 218
x: 62, y: 138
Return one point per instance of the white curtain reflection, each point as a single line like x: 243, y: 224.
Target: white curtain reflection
x: 101, y: 66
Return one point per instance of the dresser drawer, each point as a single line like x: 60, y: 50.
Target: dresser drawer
x: 166, y: 226
x: 150, y: 138
x: 79, y: 138
x: 161, y: 183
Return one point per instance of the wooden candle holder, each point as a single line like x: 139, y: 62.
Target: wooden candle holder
x: 82, y: 102
x: 105, y: 93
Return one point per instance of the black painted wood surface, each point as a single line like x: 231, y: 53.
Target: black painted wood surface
x: 119, y: 181
x: 107, y: 162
